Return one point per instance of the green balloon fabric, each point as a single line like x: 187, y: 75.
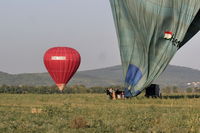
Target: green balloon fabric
x: 149, y: 34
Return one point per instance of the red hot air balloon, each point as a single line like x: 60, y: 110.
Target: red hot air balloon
x: 62, y: 63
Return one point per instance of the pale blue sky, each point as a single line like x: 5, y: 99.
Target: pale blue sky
x: 29, y: 27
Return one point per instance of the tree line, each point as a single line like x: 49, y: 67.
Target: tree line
x: 23, y: 89
x: 174, y: 89
x: 75, y: 89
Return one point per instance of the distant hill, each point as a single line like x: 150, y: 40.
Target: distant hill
x: 178, y: 76
x: 172, y: 76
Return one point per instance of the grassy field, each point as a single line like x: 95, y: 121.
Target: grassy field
x: 95, y: 113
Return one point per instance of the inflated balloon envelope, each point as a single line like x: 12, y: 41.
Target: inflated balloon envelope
x: 149, y: 33
x: 62, y: 63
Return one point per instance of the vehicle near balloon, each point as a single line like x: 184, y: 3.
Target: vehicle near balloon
x: 150, y: 32
x: 62, y: 63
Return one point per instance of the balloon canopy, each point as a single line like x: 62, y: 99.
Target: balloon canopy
x: 62, y: 63
x: 149, y: 33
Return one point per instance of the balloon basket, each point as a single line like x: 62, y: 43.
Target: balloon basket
x: 153, y: 91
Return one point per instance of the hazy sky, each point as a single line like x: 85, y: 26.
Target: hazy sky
x: 29, y: 27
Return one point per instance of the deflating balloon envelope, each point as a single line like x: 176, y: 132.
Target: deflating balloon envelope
x: 62, y: 63
x: 150, y: 32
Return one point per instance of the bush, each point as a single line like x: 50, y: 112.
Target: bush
x: 78, y: 122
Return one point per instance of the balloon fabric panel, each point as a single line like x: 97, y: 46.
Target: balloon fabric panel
x: 149, y: 34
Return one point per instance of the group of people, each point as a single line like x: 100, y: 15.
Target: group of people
x: 115, y: 93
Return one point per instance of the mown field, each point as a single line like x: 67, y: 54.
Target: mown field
x: 95, y: 113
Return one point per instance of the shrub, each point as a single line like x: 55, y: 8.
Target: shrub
x: 78, y: 122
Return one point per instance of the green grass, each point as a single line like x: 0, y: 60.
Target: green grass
x: 95, y: 113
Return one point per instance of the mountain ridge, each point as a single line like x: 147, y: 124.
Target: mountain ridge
x: 108, y: 76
